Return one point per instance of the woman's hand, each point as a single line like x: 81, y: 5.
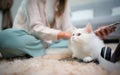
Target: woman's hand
x: 104, y: 31
x: 64, y: 35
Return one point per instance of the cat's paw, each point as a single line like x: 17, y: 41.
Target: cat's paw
x: 87, y: 59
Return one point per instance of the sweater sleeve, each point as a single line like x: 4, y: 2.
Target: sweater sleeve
x: 36, y: 22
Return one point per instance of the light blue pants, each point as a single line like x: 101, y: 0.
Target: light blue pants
x: 18, y: 43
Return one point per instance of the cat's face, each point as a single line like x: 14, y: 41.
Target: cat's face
x: 82, y: 34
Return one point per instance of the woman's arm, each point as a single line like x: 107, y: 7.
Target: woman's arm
x: 36, y: 21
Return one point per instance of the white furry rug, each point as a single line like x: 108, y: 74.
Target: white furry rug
x: 50, y: 65
x: 47, y: 66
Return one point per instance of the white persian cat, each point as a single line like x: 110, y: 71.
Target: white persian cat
x: 84, y: 44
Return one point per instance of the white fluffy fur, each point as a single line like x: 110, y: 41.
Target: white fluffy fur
x: 58, y: 51
x: 49, y: 65
x: 85, y: 44
x: 40, y: 66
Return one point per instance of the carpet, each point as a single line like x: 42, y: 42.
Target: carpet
x: 51, y: 65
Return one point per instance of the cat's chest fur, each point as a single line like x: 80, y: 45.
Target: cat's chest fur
x: 84, y: 43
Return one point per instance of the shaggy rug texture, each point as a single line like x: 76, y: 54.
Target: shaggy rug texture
x: 47, y: 66
x: 50, y: 65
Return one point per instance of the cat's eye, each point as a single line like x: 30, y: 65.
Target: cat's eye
x: 73, y: 34
x: 78, y: 34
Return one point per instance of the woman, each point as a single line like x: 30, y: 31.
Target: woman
x: 40, y: 24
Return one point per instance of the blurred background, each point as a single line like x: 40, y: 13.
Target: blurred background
x: 96, y: 12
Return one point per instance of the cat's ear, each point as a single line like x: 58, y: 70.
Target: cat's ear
x: 89, y: 28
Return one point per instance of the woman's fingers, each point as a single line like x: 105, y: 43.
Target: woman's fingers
x: 68, y: 35
x: 104, y: 31
x: 98, y: 33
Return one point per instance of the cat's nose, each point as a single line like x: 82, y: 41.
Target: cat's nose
x: 73, y: 38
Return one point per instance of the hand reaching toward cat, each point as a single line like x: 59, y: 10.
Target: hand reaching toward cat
x: 104, y: 31
x: 64, y: 35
